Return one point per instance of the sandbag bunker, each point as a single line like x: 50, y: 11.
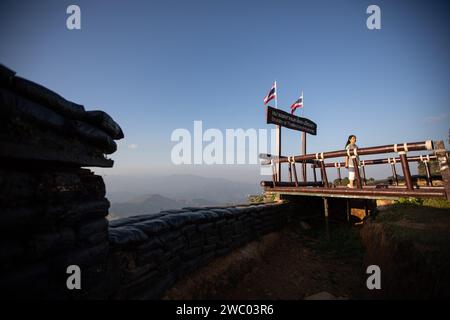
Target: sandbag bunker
x: 52, y: 211
x: 36, y: 123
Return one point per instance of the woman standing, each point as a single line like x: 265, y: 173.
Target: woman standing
x: 351, y: 144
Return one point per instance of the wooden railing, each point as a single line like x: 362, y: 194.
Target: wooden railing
x: 318, y: 160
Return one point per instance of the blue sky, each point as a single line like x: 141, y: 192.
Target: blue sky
x: 159, y: 65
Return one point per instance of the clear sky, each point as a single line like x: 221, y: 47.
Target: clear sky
x: 159, y: 65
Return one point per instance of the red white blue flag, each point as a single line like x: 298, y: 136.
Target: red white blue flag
x: 297, y: 104
x: 272, y: 93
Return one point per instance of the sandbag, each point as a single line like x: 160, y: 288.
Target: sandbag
x: 22, y: 113
x: 92, y: 227
x: 49, y: 243
x: 83, y: 257
x: 74, y: 213
x: 105, y: 122
x: 94, y: 135
x: 6, y: 75
x: 125, y: 235
x: 12, y: 105
x: 43, y: 145
x: 152, y: 227
x: 47, y: 97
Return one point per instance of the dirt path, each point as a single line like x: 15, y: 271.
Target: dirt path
x: 290, y: 265
x: 292, y: 270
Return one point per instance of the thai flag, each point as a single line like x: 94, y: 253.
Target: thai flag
x: 272, y: 93
x: 297, y: 104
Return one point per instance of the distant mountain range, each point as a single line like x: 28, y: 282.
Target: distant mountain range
x: 152, y: 204
x: 123, y: 188
x: 143, y: 194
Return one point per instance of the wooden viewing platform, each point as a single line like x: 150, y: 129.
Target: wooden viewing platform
x: 362, y: 190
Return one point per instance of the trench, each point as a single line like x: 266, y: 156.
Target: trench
x: 307, y: 260
x: 303, y: 260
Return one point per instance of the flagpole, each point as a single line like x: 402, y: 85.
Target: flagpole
x: 276, y: 96
x: 278, y: 143
x: 303, y: 143
x: 303, y: 103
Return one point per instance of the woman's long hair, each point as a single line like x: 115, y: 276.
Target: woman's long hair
x: 348, y: 140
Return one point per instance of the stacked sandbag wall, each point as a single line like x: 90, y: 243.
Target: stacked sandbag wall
x: 151, y: 252
x: 52, y: 211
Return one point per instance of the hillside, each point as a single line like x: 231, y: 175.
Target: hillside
x: 152, y: 204
x: 125, y: 188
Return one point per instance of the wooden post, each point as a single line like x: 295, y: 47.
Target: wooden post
x: 339, y: 174
x: 303, y: 153
x: 406, y: 172
x: 290, y: 172
x: 274, y: 173
x: 295, y: 174
x: 363, y: 167
x: 357, y: 176
x: 304, y: 175
x: 348, y: 210
x: 314, y: 172
x: 325, y: 205
x: 279, y: 151
x: 323, y: 172
x: 441, y: 154
x: 394, y: 173
x: 427, y: 169
x: 366, y: 209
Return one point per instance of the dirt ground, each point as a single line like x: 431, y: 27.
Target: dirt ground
x: 409, y: 241
x: 291, y: 270
x: 295, y: 264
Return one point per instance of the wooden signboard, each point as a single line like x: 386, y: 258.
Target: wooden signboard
x: 287, y: 120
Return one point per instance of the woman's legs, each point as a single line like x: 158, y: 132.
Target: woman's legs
x: 351, y: 176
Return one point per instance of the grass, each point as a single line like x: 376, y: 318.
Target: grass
x: 414, y: 210
x: 343, y: 241
x: 437, y: 203
x: 433, y: 203
x: 262, y: 198
x: 408, y: 220
x: 424, y: 224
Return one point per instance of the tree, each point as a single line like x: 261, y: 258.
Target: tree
x: 343, y: 182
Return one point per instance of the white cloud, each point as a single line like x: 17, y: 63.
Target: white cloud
x: 132, y: 146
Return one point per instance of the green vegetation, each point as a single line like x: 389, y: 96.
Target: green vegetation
x: 437, y: 203
x: 432, y: 203
x: 262, y: 198
x: 256, y: 198
x: 417, y: 210
x: 434, y: 167
x: 343, y: 182
x: 412, y: 201
x: 342, y: 241
x: 422, y: 223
